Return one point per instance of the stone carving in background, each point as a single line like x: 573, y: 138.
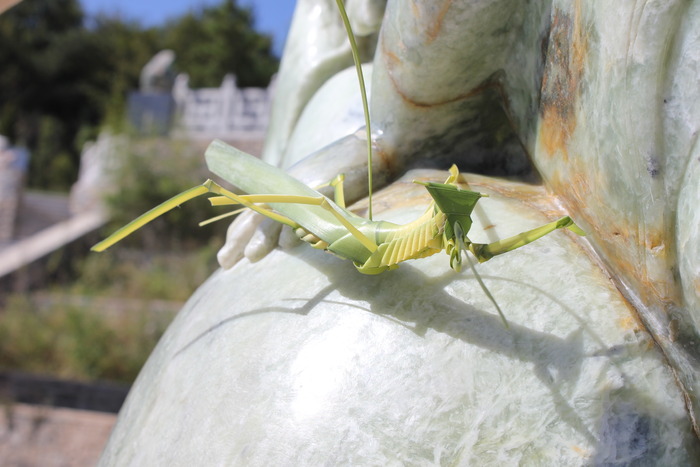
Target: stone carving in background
x: 226, y: 112
x: 166, y: 105
x: 158, y: 75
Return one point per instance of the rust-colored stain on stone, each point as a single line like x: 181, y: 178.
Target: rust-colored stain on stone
x: 654, y: 242
x: 415, y: 11
x: 555, y: 131
x: 580, y: 451
x: 432, y: 17
x: 631, y: 262
x: 394, y: 63
x: 564, y: 71
x: 575, y: 188
x: 535, y: 197
x: 432, y: 14
x: 628, y: 248
x: 391, y: 59
x: 436, y: 24
x: 630, y: 322
x: 637, y: 255
x: 387, y: 158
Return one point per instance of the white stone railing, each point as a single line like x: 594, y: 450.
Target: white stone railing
x: 225, y: 112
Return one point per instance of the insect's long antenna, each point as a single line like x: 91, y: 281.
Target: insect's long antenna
x: 459, y: 237
x: 363, y: 93
x: 485, y: 289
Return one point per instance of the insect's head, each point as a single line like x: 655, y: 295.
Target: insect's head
x: 457, y: 204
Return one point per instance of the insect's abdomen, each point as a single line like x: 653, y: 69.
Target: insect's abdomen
x: 413, y: 244
x: 418, y: 239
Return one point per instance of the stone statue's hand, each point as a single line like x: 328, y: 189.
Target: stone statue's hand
x: 237, y: 236
x: 251, y: 235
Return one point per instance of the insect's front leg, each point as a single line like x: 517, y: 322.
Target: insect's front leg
x: 484, y: 252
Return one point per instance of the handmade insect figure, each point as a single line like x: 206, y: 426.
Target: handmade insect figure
x: 373, y: 246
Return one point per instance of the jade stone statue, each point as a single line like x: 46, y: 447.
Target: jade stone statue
x: 288, y: 356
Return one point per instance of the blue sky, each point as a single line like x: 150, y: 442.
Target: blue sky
x: 271, y: 16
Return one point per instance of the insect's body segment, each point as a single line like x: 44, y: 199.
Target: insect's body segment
x: 443, y: 226
x: 398, y: 243
x: 431, y: 233
x: 395, y: 243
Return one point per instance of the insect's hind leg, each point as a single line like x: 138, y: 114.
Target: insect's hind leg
x: 485, y: 252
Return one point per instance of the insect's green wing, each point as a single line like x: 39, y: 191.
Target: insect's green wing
x: 457, y: 205
x: 253, y: 176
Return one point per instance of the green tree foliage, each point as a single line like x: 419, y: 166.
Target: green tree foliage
x: 34, y: 37
x: 218, y: 40
x: 62, y: 77
x: 58, y: 80
x: 129, y: 48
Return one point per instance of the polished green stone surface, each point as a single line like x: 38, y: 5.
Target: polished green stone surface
x: 299, y: 360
